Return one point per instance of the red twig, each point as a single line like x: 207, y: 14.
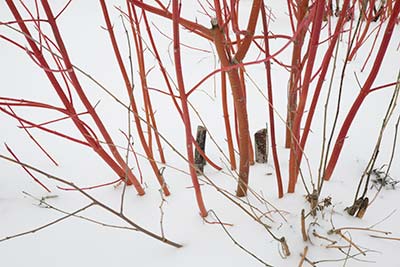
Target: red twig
x: 33, y: 138
x: 191, y: 26
x: 89, y: 187
x: 33, y: 125
x: 26, y: 169
x: 150, y: 118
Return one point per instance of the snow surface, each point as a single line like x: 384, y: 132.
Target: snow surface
x: 75, y: 242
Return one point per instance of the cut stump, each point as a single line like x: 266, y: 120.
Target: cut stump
x: 199, y: 160
x: 261, y: 145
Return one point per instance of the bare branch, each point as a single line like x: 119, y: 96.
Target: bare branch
x: 96, y: 202
x: 47, y: 224
x: 237, y: 243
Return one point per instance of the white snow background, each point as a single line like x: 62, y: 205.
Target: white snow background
x: 75, y: 242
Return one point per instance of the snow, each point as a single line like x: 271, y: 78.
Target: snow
x: 81, y: 243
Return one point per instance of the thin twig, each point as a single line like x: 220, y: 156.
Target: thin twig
x: 42, y: 201
x: 369, y: 229
x: 97, y: 202
x: 384, y: 219
x: 162, y: 213
x: 351, y: 243
x: 237, y: 243
x: 47, y: 224
x: 386, y: 237
x: 324, y: 238
x: 303, y: 226
x: 129, y: 115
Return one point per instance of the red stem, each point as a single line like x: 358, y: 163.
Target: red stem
x: 363, y: 93
x: 150, y: 118
x: 33, y: 125
x: 240, y: 110
x: 135, y: 20
x: 85, y: 100
x: 296, y: 69
x: 89, y: 187
x: 372, y: 46
x: 184, y: 105
x: 251, y: 25
x: 360, y: 40
x: 69, y: 107
x: 271, y: 105
x: 227, y: 122
x: 134, y: 108
x: 325, y: 65
x: 294, y: 164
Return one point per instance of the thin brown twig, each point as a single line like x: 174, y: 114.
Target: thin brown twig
x: 96, y: 202
x: 339, y: 260
x: 369, y: 229
x: 42, y: 201
x: 47, y: 224
x: 338, y: 246
x: 303, y: 226
x: 309, y: 261
x: 386, y: 237
x: 351, y: 243
x: 315, y: 234
x: 237, y: 243
x: 384, y: 219
x: 121, y: 210
x: 129, y: 115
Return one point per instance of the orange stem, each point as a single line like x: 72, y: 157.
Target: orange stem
x: 227, y: 123
x: 184, y: 105
x: 240, y: 109
x: 150, y: 118
x: 132, y: 100
x: 296, y: 69
x: 190, y: 25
